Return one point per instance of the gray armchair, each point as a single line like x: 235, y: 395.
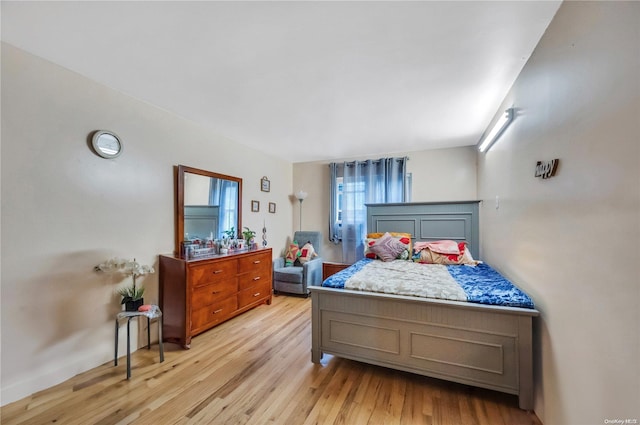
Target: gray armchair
x: 297, y: 279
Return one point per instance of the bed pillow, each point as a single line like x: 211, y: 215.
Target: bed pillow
x: 292, y: 254
x: 387, y: 248
x: 307, y: 253
x: 404, y: 238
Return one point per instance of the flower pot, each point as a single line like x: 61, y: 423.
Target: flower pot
x: 133, y: 305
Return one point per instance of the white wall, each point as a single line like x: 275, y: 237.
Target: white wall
x: 64, y: 210
x: 571, y: 241
x: 438, y: 175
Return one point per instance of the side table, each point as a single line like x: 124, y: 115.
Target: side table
x: 151, y: 314
x: 329, y: 268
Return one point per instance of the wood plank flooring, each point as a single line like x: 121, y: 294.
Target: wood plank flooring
x: 256, y: 369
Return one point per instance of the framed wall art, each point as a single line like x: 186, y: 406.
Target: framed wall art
x: 272, y: 207
x: 255, y: 206
x: 265, y: 184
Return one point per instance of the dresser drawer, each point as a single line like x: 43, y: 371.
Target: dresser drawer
x: 253, y: 294
x: 204, y: 274
x: 253, y: 278
x: 255, y: 262
x: 213, y: 314
x: 209, y: 294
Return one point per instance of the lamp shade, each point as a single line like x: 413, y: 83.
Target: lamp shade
x: 301, y: 195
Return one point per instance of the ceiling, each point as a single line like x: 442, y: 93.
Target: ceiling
x: 299, y: 80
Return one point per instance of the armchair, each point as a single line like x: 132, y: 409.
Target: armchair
x: 297, y: 279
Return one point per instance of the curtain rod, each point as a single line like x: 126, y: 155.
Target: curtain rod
x: 348, y: 163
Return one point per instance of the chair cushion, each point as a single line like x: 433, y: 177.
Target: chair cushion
x: 307, y: 253
x: 307, y: 236
x: 288, y: 274
x: 292, y: 254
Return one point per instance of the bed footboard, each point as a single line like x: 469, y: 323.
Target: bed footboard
x: 483, y: 346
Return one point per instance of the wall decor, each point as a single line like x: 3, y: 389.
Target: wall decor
x: 264, y: 234
x: 546, y: 169
x: 272, y: 207
x: 265, y: 184
x: 255, y: 206
x: 106, y: 144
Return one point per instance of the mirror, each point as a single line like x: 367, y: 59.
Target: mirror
x: 106, y: 144
x: 208, y: 204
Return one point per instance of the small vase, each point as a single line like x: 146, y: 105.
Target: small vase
x: 133, y: 305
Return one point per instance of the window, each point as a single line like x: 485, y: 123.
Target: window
x: 353, y: 185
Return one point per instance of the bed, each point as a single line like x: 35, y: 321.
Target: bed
x: 483, y: 345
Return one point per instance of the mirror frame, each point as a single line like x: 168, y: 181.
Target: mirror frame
x: 179, y: 177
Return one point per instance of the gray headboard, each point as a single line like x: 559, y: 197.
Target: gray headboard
x: 428, y: 221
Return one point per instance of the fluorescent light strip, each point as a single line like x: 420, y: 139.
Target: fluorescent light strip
x: 497, y: 130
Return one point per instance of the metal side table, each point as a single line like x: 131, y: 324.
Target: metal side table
x: 151, y: 314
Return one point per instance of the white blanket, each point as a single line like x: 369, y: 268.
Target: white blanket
x: 407, y: 278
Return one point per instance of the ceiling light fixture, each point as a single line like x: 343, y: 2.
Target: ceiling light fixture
x: 497, y: 130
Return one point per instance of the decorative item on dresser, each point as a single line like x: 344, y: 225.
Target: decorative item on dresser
x: 196, y: 295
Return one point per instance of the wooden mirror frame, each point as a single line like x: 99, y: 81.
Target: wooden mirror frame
x: 179, y: 178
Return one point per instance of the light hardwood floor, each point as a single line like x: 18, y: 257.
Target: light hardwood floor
x: 256, y: 369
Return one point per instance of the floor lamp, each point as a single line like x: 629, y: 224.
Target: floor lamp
x: 301, y: 195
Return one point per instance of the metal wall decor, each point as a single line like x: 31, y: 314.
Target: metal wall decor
x: 546, y: 169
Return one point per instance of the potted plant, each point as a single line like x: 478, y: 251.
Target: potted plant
x: 132, y: 295
x: 231, y: 233
x: 248, y: 236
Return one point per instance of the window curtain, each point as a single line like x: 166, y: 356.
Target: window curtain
x: 365, y: 182
x: 224, y: 193
x: 335, y: 231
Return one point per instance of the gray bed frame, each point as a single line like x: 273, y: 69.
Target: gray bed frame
x: 473, y: 344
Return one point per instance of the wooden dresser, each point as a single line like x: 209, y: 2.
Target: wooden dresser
x: 196, y: 295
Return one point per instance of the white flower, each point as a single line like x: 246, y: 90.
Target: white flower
x: 127, y: 267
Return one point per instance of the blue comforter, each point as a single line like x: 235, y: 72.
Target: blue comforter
x: 481, y: 284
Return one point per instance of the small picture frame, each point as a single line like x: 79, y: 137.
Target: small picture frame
x: 265, y: 184
x: 272, y: 207
x: 255, y: 206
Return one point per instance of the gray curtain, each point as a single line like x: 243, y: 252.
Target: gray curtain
x: 363, y: 182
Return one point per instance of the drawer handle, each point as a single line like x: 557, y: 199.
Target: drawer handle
x: 256, y: 262
x: 217, y: 311
x: 256, y: 278
x: 256, y: 294
x: 217, y: 271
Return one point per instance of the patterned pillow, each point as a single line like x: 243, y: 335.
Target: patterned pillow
x: 292, y: 254
x: 387, y: 248
x: 307, y: 253
x: 404, y: 238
